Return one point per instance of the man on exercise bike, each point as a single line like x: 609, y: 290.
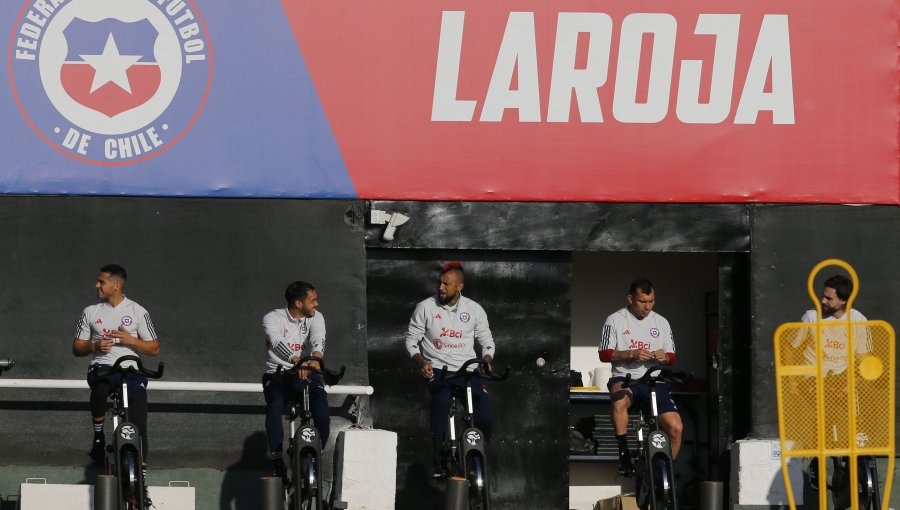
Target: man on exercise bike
x: 108, y: 330
x: 442, y: 333
x: 291, y: 333
x: 835, y: 293
x: 634, y: 339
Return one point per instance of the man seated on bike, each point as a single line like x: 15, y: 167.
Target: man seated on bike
x: 292, y: 333
x: 835, y: 293
x: 108, y: 330
x: 634, y: 339
x: 442, y: 333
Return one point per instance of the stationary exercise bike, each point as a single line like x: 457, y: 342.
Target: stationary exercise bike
x: 867, y: 480
x: 305, y: 446
x: 654, y: 476
x: 465, y: 453
x: 125, y: 456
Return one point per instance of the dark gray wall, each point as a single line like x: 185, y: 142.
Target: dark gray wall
x: 788, y: 241
x: 568, y: 226
x: 207, y: 270
x: 527, y: 300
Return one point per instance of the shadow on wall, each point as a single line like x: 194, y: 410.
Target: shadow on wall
x: 240, y: 486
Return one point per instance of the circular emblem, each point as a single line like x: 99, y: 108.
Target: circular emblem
x: 658, y: 440
x: 654, y: 332
x: 465, y: 316
x: 126, y: 321
x: 110, y: 82
x: 438, y: 343
x: 473, y: 437
x: 308, y: 435
x: 127, y: 432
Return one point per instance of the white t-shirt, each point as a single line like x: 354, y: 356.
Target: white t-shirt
x: 445, y: 335
x: 287, y: 337
x: 623, y: 331
x: 834, y: 336
x: 97, y: 321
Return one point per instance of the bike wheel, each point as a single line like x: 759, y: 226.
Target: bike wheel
x: 129, y: 481
x: 478, y: 484
x: 868, y: 484
x: 309, y: 490
x: 663, y: 485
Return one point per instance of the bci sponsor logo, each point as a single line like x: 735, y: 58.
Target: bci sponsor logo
x: 110, y: 82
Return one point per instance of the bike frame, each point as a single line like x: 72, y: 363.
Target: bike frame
x: 305, y: 440
x: 468, y: 451
x: 867, y: 480
x: 654, y: 472
x: 125, y: 456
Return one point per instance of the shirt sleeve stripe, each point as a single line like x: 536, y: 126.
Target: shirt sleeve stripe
x: 150, y: 326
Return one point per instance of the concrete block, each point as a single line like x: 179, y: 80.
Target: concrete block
x: 40, y: 496
x: 756, y: 476
x: 366, y: 462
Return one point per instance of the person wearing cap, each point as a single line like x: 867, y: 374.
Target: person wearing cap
x: 442, y: 334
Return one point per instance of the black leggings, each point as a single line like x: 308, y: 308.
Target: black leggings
x: 137, y: 404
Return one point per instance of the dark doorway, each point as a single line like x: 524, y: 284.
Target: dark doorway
x: 527, y: 299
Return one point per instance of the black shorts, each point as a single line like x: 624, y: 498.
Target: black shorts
x: 641, y: 396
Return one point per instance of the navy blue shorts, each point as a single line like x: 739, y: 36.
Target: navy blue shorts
x: 641, y: 396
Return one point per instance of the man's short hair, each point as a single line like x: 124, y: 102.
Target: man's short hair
x: 297, y: 290
x: 115, y: 270
x: 453, y: 266
x: 842, y: 286
x: 642, y: 284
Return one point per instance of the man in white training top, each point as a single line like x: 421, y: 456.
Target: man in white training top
x: 294, y: 332
x: 106, y: 331
x: 442, y: 333
x: 634, y: 339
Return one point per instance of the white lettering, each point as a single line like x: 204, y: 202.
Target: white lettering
x: 518, y: 51
x: 773, y: 50
x: 514, y: 82
x: 189, y: 30
x: 134, y: 145
x: 30, y: 31
x: 625, y: 105
x: 688, y: 108
x: 584, y: 82
x: 39, y: 21
x: 74, y: 139
x: 445, y: 106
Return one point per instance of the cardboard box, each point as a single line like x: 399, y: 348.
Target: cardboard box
x: 620, y: 502
x: 626, y: 502
x: 606, y: 504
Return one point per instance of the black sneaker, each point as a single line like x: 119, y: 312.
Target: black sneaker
x: 626, y: 464
x: 98, y: 449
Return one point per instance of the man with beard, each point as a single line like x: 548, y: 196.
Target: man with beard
x: 294, y: 332
x: 835, y: 355
x: 442, y: 333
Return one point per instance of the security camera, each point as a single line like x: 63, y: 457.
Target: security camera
x: 392, y: 220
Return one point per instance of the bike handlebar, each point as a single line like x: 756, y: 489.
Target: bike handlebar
x: 6, y: 364
x: 331, y: 377
x: 117, y: 368
x: 658, y: 373
x: 491, y: 376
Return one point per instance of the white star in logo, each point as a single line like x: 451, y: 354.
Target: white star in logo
x: 111, y: 66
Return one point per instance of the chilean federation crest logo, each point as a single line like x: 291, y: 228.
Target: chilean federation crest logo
x: 110, y: 82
